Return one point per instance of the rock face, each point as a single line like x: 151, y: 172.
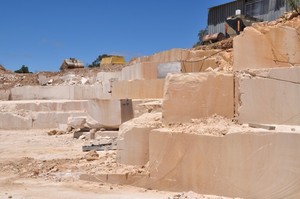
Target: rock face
x: 197, y: 95
x: 267, y: 47
x: 269, y: 96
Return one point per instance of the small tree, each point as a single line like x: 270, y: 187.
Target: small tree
x: 23, y: 69
x: 294, y: 5
x: 201, y: 33
x: 96, y: 62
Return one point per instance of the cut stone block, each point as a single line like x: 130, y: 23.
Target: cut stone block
x: 107, y: 78
x: 10, y: 121
x: 245, y: 165
x: 133, y: 148
x: 140, y: 71
x: 40, y: 92
x: 49, y: 120
x: 165, y: 68
x: 87, y: 92
x: 186, y: 67
x: 138, y: 89
x: 54, y: 113
x: 5, y: 95
x: 77, y: 122
x: 44, y: 105
x: 266, y: 47
x: 197, y: 95
x: 74, y: 92
x: 133, y: 139
x: 110, y: 113
x: 175, y: 55
x: 270, y: 97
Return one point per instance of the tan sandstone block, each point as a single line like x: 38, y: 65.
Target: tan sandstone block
x: 145, y: 70
x: 138, y: 89
x: 270, y: 47
x: 197, y: 95
x: 245, y: 165
x: 270, y: 97
x: 133, y: 139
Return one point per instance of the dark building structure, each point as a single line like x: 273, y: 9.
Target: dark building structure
x: 267, y: 10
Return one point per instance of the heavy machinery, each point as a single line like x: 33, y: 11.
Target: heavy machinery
x: 233, y: 26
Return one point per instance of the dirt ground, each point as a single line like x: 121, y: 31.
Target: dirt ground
x: 35, y: 165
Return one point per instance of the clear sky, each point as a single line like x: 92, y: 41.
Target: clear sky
x: 42, y: 33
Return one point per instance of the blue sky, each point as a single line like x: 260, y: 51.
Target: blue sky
x: 42, y: 33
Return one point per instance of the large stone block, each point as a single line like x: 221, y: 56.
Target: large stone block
x: 269, y: 96
x: 138, y: 89
x: 175, y: 55
x: 40, y: 92
x: 133, y: 146
x: 172, y: 55
x: 110, y: 113
x: 41, y: 114
x: 197, y: 95
x: 4, y: 95
x: 266, y: 47
x: 246, y: 165
x: 106, y: 79
x: 70, y: 92
x: 133, y: 139
x: 165, y: 68
x: 50, y: 120
x: 140, y: 71
x: 53, y: 113
x: 10, y: 121
x: 186, y: 67
x: 87, y: 92
x: 44, y: 105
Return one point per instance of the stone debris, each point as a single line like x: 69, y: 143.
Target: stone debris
x: 76, y: 122
x: 91, y: 155
x: 193, y: 195
x: 215, y: 125
x: 56, y: 132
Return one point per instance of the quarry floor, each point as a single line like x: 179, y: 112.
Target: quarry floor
x: 35, y: 165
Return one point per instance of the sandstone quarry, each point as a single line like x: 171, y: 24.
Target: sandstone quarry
x: 216, y: 120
